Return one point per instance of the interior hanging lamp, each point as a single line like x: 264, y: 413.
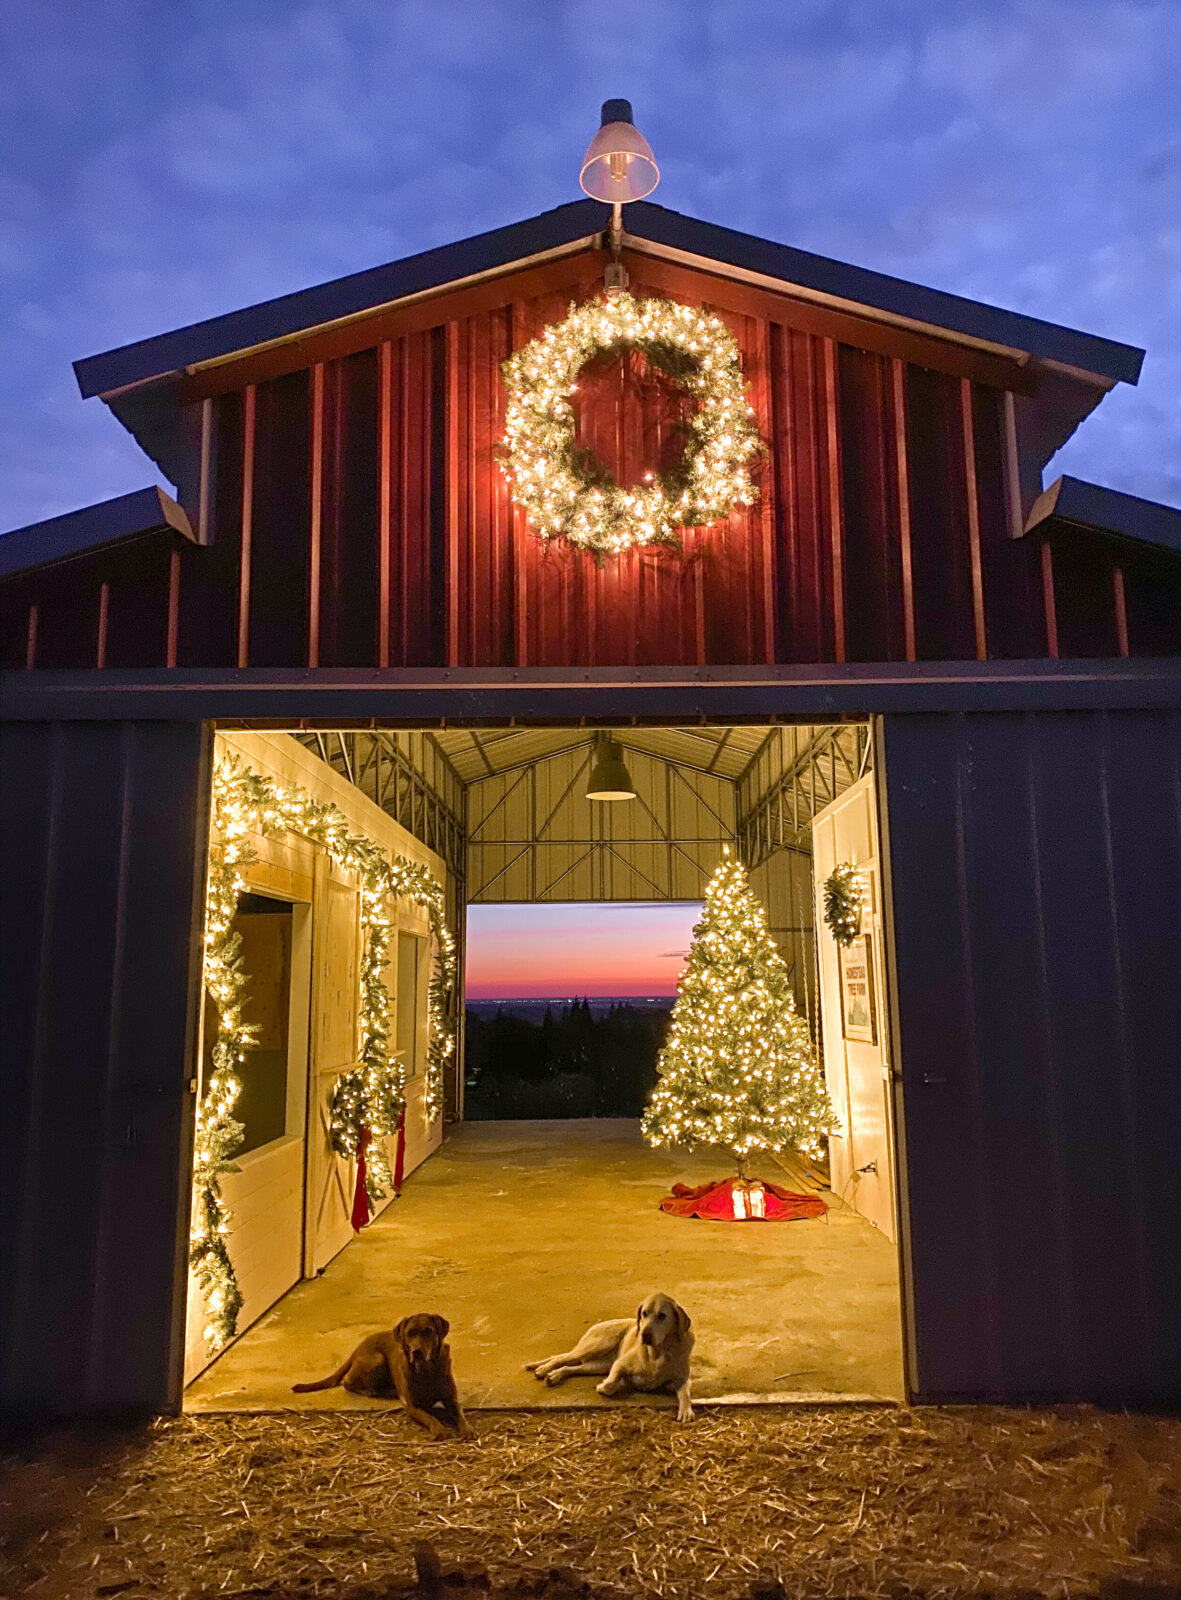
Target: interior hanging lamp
x: 609, y: 778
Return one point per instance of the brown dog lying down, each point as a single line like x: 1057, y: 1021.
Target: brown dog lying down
x: 412, y: 1361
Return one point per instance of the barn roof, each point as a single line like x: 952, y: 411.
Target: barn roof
x: 1072, y: 502
x: 137, y: 515
x: 579, y: 223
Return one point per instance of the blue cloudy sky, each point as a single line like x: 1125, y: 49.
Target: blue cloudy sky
x: 165, y: 160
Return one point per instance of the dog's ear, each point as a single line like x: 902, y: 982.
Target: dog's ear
x: 639, y: 1315
x: 400, y: 1331
x: 683, y: 1322
x: 442, y: 1327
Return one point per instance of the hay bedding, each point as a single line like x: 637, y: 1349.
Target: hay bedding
x: 822, y: 1502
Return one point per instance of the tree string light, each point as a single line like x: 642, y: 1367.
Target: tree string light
x: 738, y: 1068
x: 564, y: 490
x: 371, y: 1095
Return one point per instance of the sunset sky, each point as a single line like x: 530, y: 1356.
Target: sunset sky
x: 562, y: 951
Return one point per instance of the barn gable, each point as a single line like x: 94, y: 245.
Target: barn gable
x: 337, y: 453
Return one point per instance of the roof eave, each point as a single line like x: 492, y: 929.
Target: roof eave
x: 571, y: 227
x: 1109, y: 513
x: 343, y: 299
x: 92, y: 528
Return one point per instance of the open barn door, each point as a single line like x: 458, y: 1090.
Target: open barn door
x: 336, y: 943
x: 852, y: 1015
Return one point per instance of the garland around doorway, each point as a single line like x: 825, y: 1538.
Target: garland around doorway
x: 368, y: 1097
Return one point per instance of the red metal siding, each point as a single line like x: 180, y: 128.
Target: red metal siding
x: 874, y: 609
x: 360, y: 516
x: 1014, y: 615
x: 1152, y: 586
x: 276, y: 595
x: 349, y: 525
x: 207, y: 630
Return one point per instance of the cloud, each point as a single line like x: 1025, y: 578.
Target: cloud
x: 160, y: 164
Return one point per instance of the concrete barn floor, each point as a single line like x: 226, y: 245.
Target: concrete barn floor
x: 524, y: 1233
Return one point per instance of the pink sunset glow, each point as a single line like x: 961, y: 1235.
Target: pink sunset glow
x: 559, y: 952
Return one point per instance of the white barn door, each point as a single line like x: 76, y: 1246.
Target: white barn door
x: 852, y: 1011
x: 335, y: 977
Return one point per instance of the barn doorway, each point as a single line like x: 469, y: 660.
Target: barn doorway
x: 523, y: 1228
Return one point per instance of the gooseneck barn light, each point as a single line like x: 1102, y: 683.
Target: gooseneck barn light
x: 618, y: 166
x: 609, y: 778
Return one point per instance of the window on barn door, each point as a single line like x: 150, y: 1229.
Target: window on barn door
x: 264, y: 926
x: 410, y: 967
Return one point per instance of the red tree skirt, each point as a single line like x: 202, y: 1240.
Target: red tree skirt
x: 733, y: 1200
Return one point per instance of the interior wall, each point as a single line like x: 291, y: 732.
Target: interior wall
x: 783, y: 882
x: 292, y: 1198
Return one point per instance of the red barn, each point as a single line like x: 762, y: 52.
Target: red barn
x: 900, y: 606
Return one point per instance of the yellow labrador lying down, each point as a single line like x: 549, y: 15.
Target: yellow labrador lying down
x: 649, y: 1351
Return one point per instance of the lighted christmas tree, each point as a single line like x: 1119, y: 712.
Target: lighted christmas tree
x: 738, y: 1068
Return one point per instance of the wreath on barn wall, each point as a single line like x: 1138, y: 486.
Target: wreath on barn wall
x: 844, y: 897
x: 369, y: 1098
x: 565, y: 490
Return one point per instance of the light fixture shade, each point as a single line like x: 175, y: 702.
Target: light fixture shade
x: 609, y: 778
x: 618, y: 165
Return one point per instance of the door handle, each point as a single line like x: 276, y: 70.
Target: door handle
x: 933, y: 1078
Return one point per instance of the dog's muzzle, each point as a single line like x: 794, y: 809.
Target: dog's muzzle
x: 646, y: 1338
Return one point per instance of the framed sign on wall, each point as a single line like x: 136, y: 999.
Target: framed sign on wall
x: 858, y: 1019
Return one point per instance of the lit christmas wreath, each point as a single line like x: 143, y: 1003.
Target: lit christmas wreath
x: 844, y: 896
x: 565, y: 490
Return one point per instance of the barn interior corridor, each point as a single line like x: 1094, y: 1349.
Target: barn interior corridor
x: 524, y: 1233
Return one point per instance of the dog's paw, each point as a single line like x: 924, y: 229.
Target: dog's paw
x: 684, y: 1413
x: 551, y: 1379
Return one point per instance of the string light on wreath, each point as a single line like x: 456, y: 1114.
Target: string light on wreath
x: 844, y: 900
x: 372, y: 1094
x: 565, y: 490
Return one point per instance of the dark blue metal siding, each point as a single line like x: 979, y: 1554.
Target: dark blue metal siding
x: 1035, y: 866
x: 102, y: 855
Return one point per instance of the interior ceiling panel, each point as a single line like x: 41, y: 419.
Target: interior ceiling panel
x: 477, y: 753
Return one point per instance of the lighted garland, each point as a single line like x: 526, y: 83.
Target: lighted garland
x: 565, y: 490
x: 843, y: 898
x: 372, y: 1094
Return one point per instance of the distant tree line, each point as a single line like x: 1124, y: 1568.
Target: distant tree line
x: 573, y: 1063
